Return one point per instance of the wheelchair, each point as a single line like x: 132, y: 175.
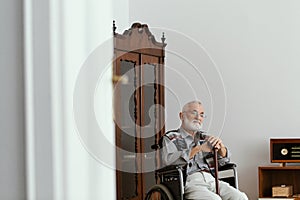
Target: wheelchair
x: 171, y: 180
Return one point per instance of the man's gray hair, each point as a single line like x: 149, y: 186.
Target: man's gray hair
x: 184, y: 108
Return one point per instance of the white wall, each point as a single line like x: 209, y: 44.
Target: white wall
x: 244, y: 66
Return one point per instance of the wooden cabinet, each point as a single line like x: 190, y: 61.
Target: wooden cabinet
x: 138, y: 74
x: 270, y: 176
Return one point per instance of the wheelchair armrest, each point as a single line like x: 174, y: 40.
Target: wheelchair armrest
x: 227, y: 166
x: 170, y: 168
x: 230, y: 174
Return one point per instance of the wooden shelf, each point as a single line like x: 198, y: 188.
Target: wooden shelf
x: 270, y: 176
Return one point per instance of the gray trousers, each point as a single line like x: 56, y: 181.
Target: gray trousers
x: 201, y: 186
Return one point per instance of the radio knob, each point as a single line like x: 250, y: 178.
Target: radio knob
x: 284, y: 151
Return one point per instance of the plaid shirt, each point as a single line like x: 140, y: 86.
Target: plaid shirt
x: 176, y: 150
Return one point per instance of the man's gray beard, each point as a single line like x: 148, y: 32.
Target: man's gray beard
x: 190, y: 126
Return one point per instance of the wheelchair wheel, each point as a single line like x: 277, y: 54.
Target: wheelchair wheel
x: 159, y: 192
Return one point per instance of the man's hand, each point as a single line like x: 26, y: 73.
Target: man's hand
x: 210, y: 143
x: 205, y: 147
x: 217, y: 143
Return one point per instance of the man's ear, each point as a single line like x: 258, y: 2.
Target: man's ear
x: 181, y: 116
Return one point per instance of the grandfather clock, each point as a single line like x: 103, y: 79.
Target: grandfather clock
x: 138, y: 75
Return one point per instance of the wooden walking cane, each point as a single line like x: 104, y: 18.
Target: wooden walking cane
x: 216, y: 170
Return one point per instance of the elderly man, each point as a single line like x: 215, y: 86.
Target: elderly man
x: 189, y: 146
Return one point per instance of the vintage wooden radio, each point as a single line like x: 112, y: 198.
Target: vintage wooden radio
x: 285, y: 150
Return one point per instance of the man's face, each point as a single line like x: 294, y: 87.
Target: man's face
x: 192, y: 117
